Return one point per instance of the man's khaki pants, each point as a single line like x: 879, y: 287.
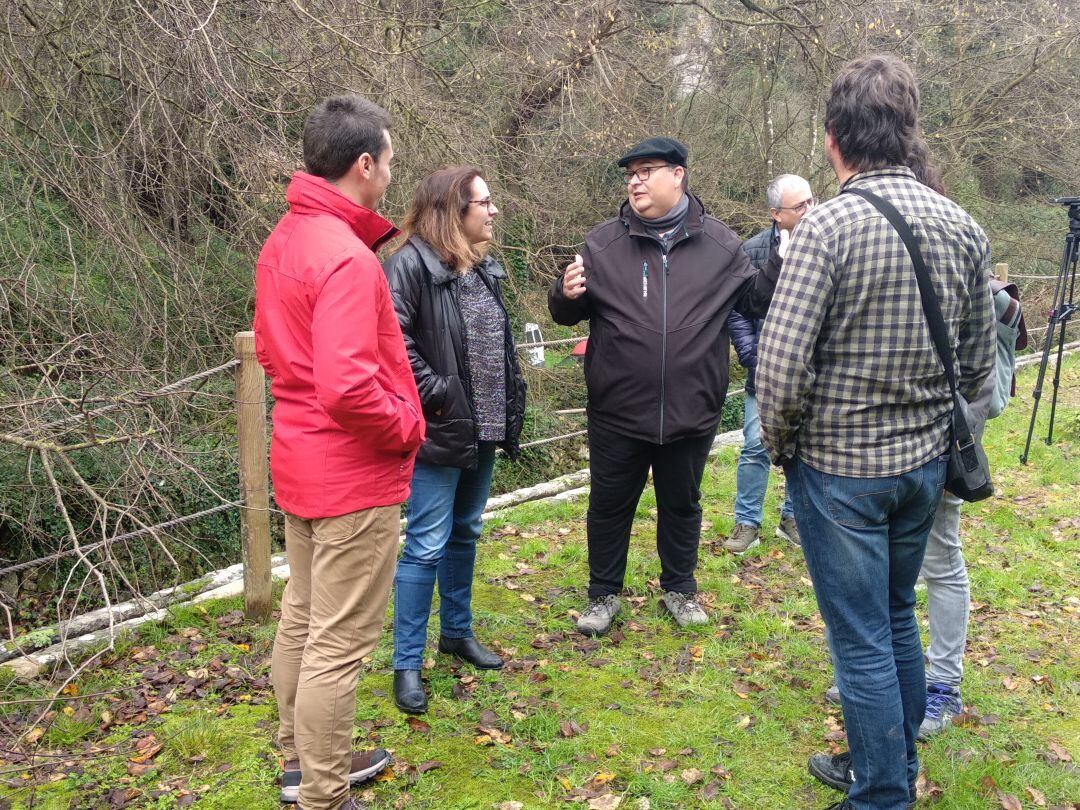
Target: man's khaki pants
x: 341, y: 569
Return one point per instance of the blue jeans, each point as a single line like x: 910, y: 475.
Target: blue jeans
x: 444, y: 523
x: 863, y: 540
x: 752, y: 475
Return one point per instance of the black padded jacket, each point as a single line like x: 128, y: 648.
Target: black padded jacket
x: 427, y: 300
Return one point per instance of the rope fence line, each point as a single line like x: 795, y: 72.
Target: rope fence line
x: 168, y: 524
x: 1044, y: 328
x: 136, y: 398
x: 558, y: 342
x: 551, y: 439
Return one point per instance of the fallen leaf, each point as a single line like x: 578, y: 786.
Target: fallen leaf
x: 1036, y: 796
x: 147, y: 747
x: 570, y: 728
x: 608, y: 801
x: 966, y: 719
x: 1060, y: 752
x: 416, y: 724
x: 509, y: 806
x: 691, y: 776
x: 428, y: 765
x: 1010, y: 802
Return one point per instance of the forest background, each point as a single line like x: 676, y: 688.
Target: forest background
x: 145, y: 147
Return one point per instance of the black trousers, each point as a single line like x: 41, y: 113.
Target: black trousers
x: 619, y: 469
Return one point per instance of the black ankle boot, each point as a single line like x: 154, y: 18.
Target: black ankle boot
x: 470, y: 651
x: 409, y: 694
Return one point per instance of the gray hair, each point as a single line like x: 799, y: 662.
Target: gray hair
x: 778, y: 185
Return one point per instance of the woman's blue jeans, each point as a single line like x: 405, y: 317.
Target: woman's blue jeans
x: 444, y: 522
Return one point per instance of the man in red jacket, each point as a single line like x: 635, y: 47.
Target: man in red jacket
x: 347, y: 424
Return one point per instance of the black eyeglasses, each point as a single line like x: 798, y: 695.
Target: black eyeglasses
x: 643, y: 173
x: 486, y: 203
x: 801, y: 208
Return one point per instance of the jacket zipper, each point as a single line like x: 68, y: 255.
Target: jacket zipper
x: 644, y: 280
x: 663, y: 343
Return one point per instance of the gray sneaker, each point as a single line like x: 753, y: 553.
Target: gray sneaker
x: 598, y: 615
x: 832, y: 694
x: 787, y: 530
x: 685, y: 609
x: 743, y: 538
x: 943, y: 703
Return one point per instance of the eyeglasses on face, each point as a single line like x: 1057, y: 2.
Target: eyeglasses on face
x: 801, y: 208
x: 643, y: 173
x: 484, y: 203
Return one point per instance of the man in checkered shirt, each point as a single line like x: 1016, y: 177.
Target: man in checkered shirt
x: 855, y: 405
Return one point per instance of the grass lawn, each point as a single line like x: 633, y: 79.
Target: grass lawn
x: 182, y: 712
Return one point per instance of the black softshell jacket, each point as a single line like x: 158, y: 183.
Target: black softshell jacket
x: 656, y: 366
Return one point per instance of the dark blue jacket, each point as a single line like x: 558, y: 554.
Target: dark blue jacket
x: 744, y: 332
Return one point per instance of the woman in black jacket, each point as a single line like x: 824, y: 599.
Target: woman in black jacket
x: 446, y: 292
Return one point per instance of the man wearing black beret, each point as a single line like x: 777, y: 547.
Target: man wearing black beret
x: 657, y: 284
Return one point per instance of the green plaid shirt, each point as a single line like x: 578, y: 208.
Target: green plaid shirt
x: 847, y: 375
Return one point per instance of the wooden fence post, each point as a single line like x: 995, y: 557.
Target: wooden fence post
x: 1001, y: 271
x: 254, y: 478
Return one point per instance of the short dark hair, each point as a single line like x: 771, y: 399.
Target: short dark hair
x: 873, y: 112
x: 339, y: 130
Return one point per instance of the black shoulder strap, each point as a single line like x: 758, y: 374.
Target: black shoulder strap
x: 938, y: 333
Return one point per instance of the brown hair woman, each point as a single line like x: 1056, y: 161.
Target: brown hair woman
x: 446, y: 290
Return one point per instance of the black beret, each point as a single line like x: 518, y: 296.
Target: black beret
x: 667, y: 149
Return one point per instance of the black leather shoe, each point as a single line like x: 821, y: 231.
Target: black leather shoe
x: 837, y: 773
x: 409, y: 694
x: 470, y: 651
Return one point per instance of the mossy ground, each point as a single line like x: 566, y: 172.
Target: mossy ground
x: 723, y: 716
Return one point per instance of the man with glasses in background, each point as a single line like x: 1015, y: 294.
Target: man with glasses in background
x: 788, y: 197
x: 657, y: 284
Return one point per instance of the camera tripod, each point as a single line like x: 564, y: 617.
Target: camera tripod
x: 1060, y: 314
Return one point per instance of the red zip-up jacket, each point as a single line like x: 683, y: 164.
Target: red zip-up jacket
x: 347, y: 418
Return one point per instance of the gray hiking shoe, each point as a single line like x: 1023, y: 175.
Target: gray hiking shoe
x: 832, y: 695
x: 943, y: 703
x: 787, y: 530
x: 743, y: 538
x: 685, y: 609
x: 598, y: 615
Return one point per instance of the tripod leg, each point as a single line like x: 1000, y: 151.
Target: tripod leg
x: 1037, y: 393
x: 1064, y: 315
x: 1061, y: 285
x: 1057, y: 383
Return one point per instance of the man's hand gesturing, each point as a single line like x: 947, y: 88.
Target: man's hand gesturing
x: 573, y: 284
